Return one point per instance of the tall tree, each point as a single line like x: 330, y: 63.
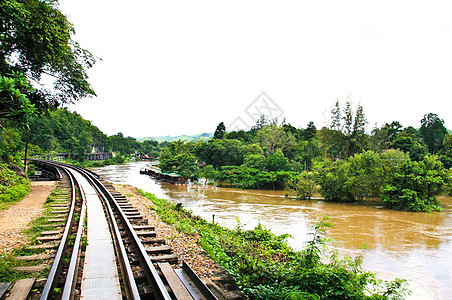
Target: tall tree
x: 219, y: 132
x: 336, y: 117
x: 433, y: 132
x: 36, y: 40
x: 346, y: 134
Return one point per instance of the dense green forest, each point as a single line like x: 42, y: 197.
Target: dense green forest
x: 404, y: 167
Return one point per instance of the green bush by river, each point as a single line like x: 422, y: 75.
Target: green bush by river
x: 265, y: 267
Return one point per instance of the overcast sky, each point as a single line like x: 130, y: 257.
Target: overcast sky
x: 181, y: 67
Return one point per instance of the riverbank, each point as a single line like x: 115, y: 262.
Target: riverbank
x: 265, y: 267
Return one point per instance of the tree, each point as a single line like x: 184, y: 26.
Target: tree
x: 36, y: 40
x: 272, y: 138
x: 332, y: 180
x: 310, y: 132
x: 220, y: 131
x: 346, y: 133
x: 222, y: 152
x: 433, y: 132
x: 413, y: 185
x: 277, y: 162
x: 411, y: 146
x: 446, y: 151
x: 179, y: 157
x: 303, y: 185
x: 14, y: 104
x: 240, y: 135
x: 65, y: 131
x: 336, y: 117
x: 331, y: 143
x: 365, y: 175
x: 208, y: 172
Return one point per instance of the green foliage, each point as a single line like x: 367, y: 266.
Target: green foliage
x: 64, y: 131
x: 277, y: 162
x: 303, y: 185
x: 250, y: 178
x: 446, y: 151
x: 10, y: 145
x: 433, y: 132
x: 220, y: 131
x: 410, y: 145
x: 124, y: 145
x: 346, y: 133
x: 359, y: 177
x: 273, y: 138
x: 178, y: 157
x: 224, y: 152
x: 265, y: 267
x: 208, y: 172
x: 12, y: 187
x: 14, y: 103
x: 413, y: 185
x: 366, y: 175
x: 36, y: 40
x: 332, y: 180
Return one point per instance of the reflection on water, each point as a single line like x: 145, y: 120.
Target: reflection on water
x: 415, y: 246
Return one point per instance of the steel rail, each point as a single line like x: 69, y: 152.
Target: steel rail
x: 58, y: 261
x: 71, y: 277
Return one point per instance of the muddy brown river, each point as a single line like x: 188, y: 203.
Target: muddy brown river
x: 414, y: 246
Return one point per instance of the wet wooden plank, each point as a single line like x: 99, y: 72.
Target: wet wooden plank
x: 21, y: 289
x: 170, y: 258
x: 144, y: 227
x: 48, y: 238
x: 34, y: 257
x: 56, y: 220
x: 174, y: 282
x: 153, y: 241
x: 30, y: 268
x: 53, y: 232
x: 158, y: 249
x: 43, y: 246
x: 146, y: 233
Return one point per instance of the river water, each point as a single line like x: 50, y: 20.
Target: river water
x: 414, y: 246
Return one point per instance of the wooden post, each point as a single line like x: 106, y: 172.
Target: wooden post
x: 25, y: 159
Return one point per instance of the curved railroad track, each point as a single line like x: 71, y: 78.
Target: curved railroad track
x: 106, y: 250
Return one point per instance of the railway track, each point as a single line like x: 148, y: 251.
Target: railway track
x: 106, y: 250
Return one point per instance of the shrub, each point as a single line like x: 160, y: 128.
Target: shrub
x: 12, y: 187
x: 413, y: 185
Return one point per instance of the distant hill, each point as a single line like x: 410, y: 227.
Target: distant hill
x: 186, y: 138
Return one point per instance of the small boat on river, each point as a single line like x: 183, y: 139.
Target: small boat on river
x: 153, y: 170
